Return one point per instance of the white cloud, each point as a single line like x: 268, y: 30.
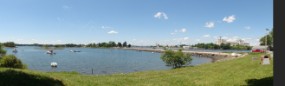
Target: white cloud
x: 160, y: 15
x: 198, y: 40
x: 183, y: 30
x: 186, y: 38
x: 106, y: 27
x: 247, y: 27
x: 210, y: 24
x: 206, y: 36
x: 113, y: 32
x: 229, y: 19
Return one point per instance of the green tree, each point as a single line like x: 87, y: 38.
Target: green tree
x: 125, y: 44
x: 9, y: 44
x: 112, y: 44
x: 2, y: 51
x: 119, y: 44
x: 11, y: 61
x: 129, y: 45
x: 175, y: 59
x: 268, y: 39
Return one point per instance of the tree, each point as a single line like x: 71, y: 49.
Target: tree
x: 129, y: 45
x: 125, y: 44
x: 11, y: 61
x: 119, y: 44
x: 175, y: 59
x: 268, y: 39
x: 2, y: 51
x: 112, y: 44
x: 9, y: 44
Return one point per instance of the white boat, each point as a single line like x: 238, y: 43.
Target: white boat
x: 53, y: 64
x: 15, y: 50
x: 50, y: 52
x: 74, y: 51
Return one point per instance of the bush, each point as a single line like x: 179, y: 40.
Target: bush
x: 9, y: 44
x: 175, y: 59
x: 11, y: 61
x: 2, y: 51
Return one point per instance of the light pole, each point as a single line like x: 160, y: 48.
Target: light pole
x: 266, y: 39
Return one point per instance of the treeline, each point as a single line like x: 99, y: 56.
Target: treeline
x: 9, y: 44
x: 109, y: 44
x: 223, y: 46
x: 53, y: 45
x: 62, y: 45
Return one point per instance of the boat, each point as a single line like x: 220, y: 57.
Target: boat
x: 75, y: 51
x: 15, y: 50
x: 53, y: 64
x: 50, y: 52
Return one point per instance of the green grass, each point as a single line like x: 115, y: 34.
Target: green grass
x: 240, y: 71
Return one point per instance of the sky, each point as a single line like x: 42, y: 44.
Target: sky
x: 139, y: 22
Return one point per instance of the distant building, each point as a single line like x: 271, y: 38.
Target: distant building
x: 232, y: 43
x: 186, y: 47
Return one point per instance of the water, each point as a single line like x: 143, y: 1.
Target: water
x: 102, y: 61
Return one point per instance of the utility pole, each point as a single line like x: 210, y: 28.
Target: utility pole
x: 266, y: 39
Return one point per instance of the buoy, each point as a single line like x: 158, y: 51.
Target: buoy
x: 53, y: 64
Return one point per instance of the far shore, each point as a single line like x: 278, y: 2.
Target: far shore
x: 216, y: 56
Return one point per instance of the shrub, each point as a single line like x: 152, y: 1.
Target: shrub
x: 11, y: 61
x: 175, y: 59
x: 2, y: 51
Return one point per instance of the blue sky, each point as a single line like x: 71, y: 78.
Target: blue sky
x: 139, y: 22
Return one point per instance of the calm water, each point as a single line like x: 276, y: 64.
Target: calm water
x: 102, y: 61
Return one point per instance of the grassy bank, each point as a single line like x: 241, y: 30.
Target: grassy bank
x: 241, y: 71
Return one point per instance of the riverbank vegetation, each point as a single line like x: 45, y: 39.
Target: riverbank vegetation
x: 9, y: 44
x: 10, y: 61
x: 175, y: 59
x: 108, y: 44
x: 222, y: 46
x: 236, y: 72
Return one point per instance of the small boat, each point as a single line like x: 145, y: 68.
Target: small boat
x: 15, y: 50
x: 50, y: 52
x: 53, y: 64
x: 75, y: 51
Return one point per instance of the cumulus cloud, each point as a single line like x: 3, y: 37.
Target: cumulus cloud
x: 210, y: 24
x: 183, y: 30
x: 160, y: 15
x: 186, y: 38
x: 206, y: 36
x: 229, y: 19
x: 113, y: 32
x: 172, y: 33
x: 106, y: 27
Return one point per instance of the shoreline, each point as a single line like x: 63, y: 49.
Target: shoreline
x: 216, y: 56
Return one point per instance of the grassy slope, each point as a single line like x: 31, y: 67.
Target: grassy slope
x: 241, y: 71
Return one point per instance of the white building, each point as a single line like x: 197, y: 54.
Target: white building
x: 232, y: 43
